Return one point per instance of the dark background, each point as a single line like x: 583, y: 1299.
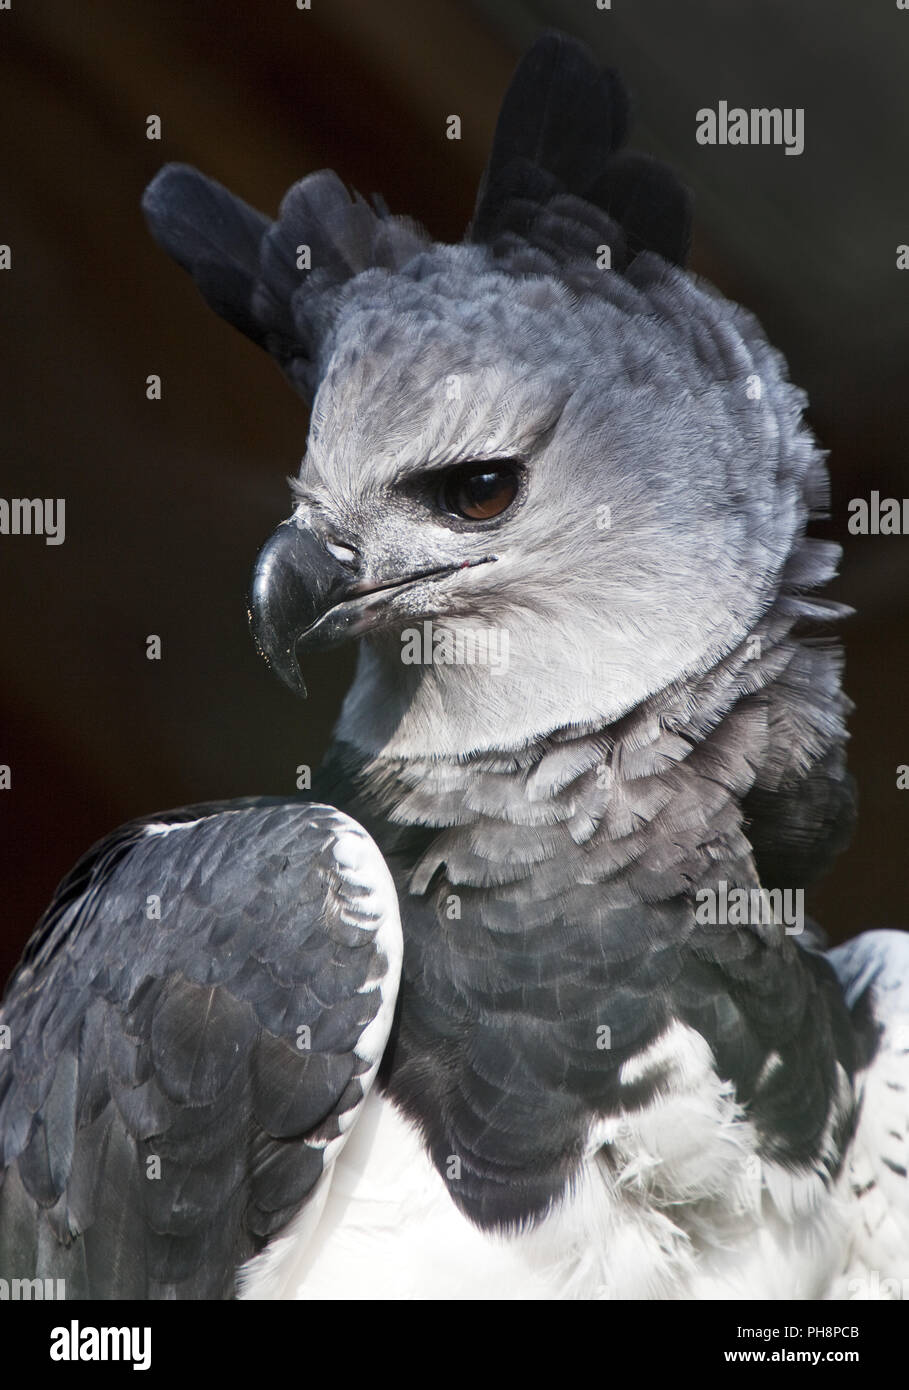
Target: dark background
x: 167, y: 502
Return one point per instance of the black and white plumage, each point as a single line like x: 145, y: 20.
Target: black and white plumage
x: 669, y: 719
x: 194, y: 1027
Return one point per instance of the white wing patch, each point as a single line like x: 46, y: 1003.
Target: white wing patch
x: 363, y: 875
x: 878, y: 1166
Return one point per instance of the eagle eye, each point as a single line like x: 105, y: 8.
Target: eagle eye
x: 479, y: 491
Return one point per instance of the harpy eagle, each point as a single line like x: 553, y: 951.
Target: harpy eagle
x: 473, y: 1032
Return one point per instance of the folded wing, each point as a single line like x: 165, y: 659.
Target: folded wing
x: 187, y: 1041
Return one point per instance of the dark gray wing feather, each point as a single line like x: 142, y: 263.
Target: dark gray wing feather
x: 163, y: 1109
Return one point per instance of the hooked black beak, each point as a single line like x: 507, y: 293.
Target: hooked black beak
x: 308, y: 593
x: 295, y: 582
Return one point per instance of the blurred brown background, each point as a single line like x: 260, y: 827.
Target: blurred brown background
x: 167, y: 502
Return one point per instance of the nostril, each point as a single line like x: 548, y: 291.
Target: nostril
x: 344, y: 554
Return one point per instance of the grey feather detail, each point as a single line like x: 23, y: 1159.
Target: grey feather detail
x: 159, y: 1118
x: 246, y: 266
x: 556, y: 162
x: 874, y: 972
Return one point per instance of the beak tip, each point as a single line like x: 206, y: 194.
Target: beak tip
x: 282, y: 662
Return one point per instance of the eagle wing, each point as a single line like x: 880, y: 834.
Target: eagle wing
x: 186, y: 1044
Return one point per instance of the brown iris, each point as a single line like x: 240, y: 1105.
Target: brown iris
x: 478, y: 492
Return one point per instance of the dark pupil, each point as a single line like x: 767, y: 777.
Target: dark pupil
x: 481, y: 495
